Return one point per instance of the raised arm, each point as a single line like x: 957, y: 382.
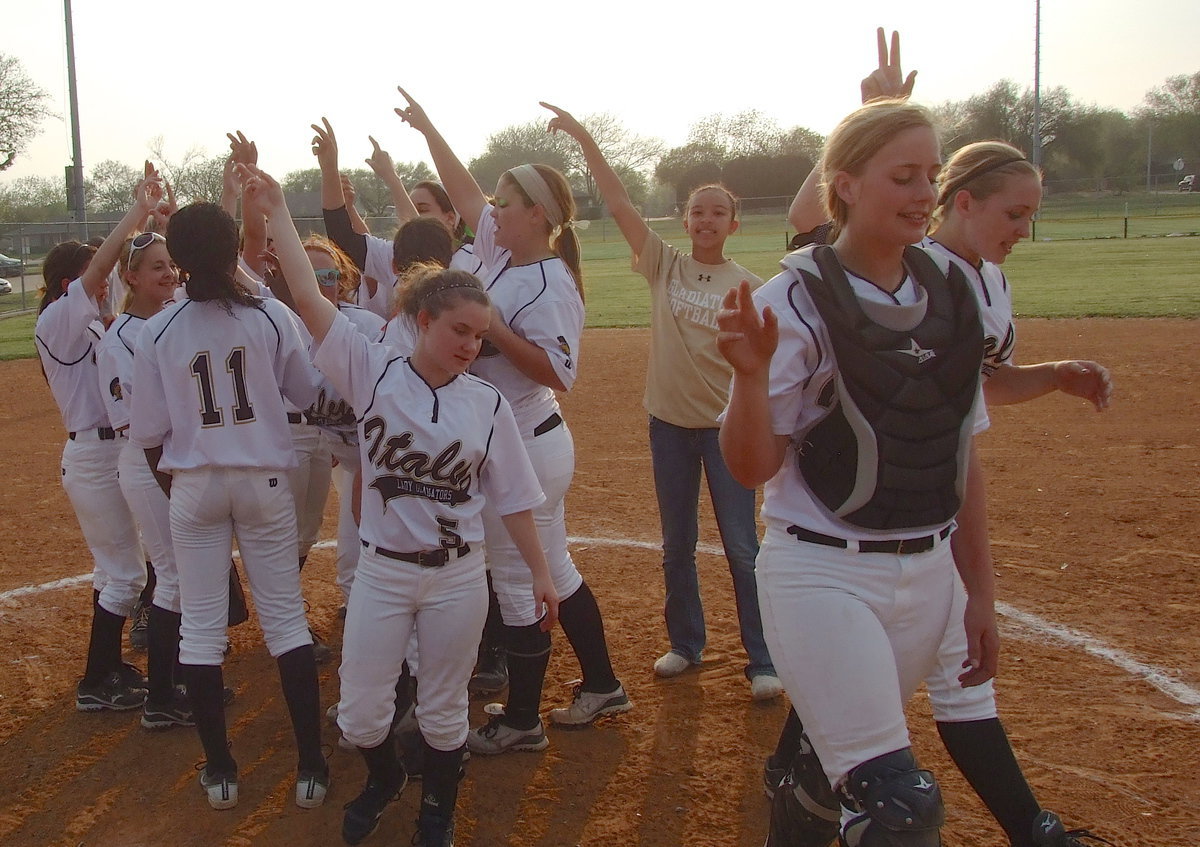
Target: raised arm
x: 145, y: 197
x: 262, y: 195
x: 1018, y: 383
x: 356, y: 222
x: 381, y: 163
x: 338, y: 223
x: 628, y: 219
x: 466, y: 195
x: 752, y: 451
x: 807, y: 212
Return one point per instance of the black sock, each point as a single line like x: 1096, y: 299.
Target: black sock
x: 298, y: 676
x: 528, y: 655
x: 406, y: 693
x: 206, y: 684
x: 147, y: 596
x: 983, y: 754
x: 162, y: 652
x: 104, y: 644
x: 439, y: 791
x: 581, y: 621
x: 383, y: 765
x: 789, y: 741
x: 493, y: 624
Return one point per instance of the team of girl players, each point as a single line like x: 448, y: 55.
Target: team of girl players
x: 849, y: 385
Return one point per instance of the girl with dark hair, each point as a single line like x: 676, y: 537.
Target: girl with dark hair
x: 67, y: 333
x: 210, y: 373
x: 381, y: 261
x: 436, y: 445
x: 526, y: 240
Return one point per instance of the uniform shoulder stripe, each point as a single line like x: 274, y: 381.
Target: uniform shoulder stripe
x: 46, y: 347
x: 261, y: 306
x: 791, y: 296
x: 536, y: 297
x: 171, y: 320
x: 127, y: 319
x: 375, y: 388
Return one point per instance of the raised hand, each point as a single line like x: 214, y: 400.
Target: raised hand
x: 413, y: 114
x: 324, y: 146
x: 348, y: 190
x: 380, y: 161
x: 1088, y: 380
x: 149, y: 191
x: 887, y: 80
x: 261, y: 194
x: 241, y: 149
x: 746, y: 339
x: 165, y: 208
x: 564, y: 121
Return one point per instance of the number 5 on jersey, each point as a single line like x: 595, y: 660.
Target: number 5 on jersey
x: 235, y: 364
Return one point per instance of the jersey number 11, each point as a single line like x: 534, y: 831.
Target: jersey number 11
x: 235, y: 365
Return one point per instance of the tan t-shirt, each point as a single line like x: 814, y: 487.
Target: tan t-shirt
x: 687, y: 381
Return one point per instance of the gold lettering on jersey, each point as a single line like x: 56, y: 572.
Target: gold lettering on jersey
x: 443, y: 478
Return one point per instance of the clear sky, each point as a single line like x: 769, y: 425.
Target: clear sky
x: 191, y: 71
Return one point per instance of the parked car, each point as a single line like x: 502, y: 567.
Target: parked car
x: 9, y: 266
x: 1188, y: 183
x: 5, y: 286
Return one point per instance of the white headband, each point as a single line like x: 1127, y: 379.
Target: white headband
x: 535, y: 186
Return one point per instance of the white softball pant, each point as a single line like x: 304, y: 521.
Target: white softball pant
x: 207, y: 507
x: 152, y: 511
x: 553, y: 458
x: 89, y: 476
x: 309, y: 482
x: 344, y: 478
x: 951, y: 702
x: 390, y: 603
x: 852, y: 636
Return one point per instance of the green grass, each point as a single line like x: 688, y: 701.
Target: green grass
x: 16, y: 337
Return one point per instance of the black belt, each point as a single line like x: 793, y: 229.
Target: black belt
x: 298, y: 417
x: 426, y: 559
x: 899, y: 546
x: 547, y: 425
x: 106, y: 433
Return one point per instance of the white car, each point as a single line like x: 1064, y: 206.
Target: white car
x: 5, y: 286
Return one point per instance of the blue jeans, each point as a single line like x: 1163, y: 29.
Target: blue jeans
x: 678, y: 454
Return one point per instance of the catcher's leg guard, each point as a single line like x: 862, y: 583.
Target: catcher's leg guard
x: 898, y: 804
x: 804, y: 811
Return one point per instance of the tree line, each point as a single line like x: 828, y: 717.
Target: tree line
x: 1098, y: 150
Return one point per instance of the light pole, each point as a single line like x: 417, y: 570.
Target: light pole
x: 76, y: 146
x: 1037, y: 84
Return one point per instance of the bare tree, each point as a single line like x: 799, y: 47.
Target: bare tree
x: 22, y: 109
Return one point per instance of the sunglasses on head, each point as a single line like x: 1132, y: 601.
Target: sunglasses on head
x: 328, y: 276
x: 142, y: 241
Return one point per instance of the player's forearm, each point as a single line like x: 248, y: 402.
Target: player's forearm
x: 464, y: 191
x: 523, y: 532
x: 405, y: 210
x: 312, y: 307
x: 752, y: 452
x: 526, y: 356
x: 106, y: 256
x: 164, y: 480
x: 628, y: 219
x: 1010, y: 384
x: 807, y: 212
x: 254, y: 241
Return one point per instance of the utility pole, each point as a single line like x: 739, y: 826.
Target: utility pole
x: 1037, y: 85
x: 76, y: 147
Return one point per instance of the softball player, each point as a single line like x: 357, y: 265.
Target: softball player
x: 151, y: 280
x: 210, y: 375
x: 66, y: 334
x: 687, y: 386
x: 435, y: 445
x: 378, y: 258
x: 526, y: 242
x: 856, y: 573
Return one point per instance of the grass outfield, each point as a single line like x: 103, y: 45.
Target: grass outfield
x: 1135, y: 277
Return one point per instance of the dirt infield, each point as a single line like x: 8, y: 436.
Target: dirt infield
x: 1097, y: 546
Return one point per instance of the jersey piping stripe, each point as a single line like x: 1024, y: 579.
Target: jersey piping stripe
x: 545, y: 284
x: 811, y: 332
x: 375, y: 388
x: 987, y: 296
x: 60, y: 361
x: 127, y: 320
x: 171, y: 320
x: 278, y: 337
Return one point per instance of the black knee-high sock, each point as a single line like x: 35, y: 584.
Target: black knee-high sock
x: 983, y: 754
x: 162, y: 652
x: 789, y: 741
x: 383, y: 765
x: 406, y: 693
x: 298, y: 676
x: 439, y: 793
x: 147, y: 596
x: 581, y: 621
x: 104, y: 643
x: 205, y: 686
x: 528, y: 654
x: 493, y: 625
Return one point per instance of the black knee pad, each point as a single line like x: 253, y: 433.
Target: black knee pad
x: 899, y: 804
x: 804, y: 812
x: 526, y: 641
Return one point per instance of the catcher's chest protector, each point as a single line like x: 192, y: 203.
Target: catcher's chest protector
x: 892, y: 453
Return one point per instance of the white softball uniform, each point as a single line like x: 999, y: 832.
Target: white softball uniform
x: 66, y: 335
x: 208, y: 389
x: 378, y: 266
x: 338, y: 424
x: 541, y: 304
x: 149, y: 505
x: 430, y: 458
x: 994, y: 297
x: 852, y: 634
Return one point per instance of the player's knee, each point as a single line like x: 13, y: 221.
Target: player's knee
x: 954, y: 704
x: 898, y: 804
x: 526, y: 641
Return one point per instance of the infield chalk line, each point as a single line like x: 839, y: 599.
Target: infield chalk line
x: 1162, y: 679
